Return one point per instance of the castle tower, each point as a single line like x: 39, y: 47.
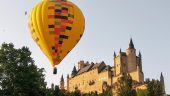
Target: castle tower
x: 131, y: 57
x: 140, y: 61
x: 163, y: 85
x: 62, y: 83
x: 117, y: 64
x: 120, y: 63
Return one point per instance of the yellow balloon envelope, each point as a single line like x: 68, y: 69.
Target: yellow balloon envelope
x: 56, y: 26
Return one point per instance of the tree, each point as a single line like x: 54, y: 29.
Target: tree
x: 76, y: 92
x: 125, y: 86
x: 90, y: 94
x: 19, y: 76
x: 141, y: 92
x: 108, y: 92
x: 58, y: 92
x: 154, y: 87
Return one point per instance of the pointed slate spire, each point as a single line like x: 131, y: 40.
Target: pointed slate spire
x: 62, y: 78
x: 131, y: 45
x: 161, y: 77
x: 120, y: 51
x: 163, y: 84
x: 74, y: 72
x: 139, y: 54
x: 140, y: 60
x: 114, y: 54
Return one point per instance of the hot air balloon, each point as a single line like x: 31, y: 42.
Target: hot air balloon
x: 56, y: 26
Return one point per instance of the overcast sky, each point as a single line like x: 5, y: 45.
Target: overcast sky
x: 109, y: 26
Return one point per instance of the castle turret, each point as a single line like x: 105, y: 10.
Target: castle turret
x: 120, y: 65
x: 68, y: 82
x: 163, y: 84
x: 52, y: 86
x: 120, y: 51
x: 139, y: 74
x: 140, y: 61
x: 117, y: 64
x: 62, y: 83
x: 131, y: 57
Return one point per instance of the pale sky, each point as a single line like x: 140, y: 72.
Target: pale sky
x: 109, y: 26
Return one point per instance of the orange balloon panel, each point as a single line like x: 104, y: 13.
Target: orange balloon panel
x: 56, y: 26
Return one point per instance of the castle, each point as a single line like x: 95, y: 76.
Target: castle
x: 90, y: 77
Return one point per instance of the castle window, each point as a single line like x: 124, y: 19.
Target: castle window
x: 91, y: 82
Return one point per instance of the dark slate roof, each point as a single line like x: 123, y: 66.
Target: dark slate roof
x: 101, y: 66
x: 96, y: 65
x: 106, y: 68
x: 85, y: 69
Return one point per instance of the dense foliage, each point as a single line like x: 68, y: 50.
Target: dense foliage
x: 154, y: 88
x: 125, y: 86
x: 18, y: 74
x: 141, y: 92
